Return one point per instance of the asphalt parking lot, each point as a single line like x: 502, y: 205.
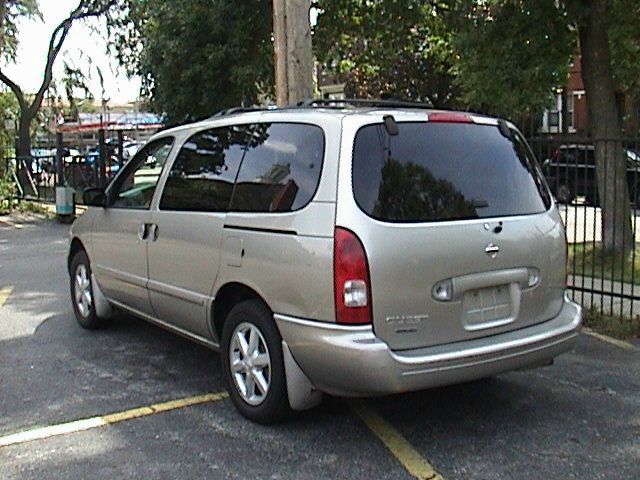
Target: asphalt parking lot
x: 579, y: 418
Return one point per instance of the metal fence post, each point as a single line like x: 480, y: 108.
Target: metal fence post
x: 120, y: 149
x: 59, y: 178
x: 102, y: 158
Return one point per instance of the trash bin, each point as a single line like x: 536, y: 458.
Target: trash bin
x: 64, y: 202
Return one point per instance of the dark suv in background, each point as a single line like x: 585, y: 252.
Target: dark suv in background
x: 571, y: 172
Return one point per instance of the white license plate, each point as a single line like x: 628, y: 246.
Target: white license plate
x: 486, y: 305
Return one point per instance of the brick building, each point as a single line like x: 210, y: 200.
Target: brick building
x: 576, y: 115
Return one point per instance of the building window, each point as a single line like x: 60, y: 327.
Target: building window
x: 571, y: 112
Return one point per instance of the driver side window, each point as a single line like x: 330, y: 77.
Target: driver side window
x: 135, y: 188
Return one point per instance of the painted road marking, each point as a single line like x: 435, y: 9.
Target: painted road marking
x: 111, y: 418
x: 404, y: 452
x: 613, y: 341
x: 4, y: 294
x: 6, y: 221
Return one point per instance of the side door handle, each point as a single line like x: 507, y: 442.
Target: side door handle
x: 148, y: 231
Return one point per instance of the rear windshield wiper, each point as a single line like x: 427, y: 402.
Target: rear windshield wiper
x: 479, y: 203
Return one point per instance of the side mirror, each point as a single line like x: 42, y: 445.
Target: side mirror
x: 94, y: 197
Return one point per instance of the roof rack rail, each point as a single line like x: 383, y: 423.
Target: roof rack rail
x: 339, y: 103
x: 231, y: 111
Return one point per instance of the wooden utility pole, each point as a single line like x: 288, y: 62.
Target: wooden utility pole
x: 293, y: 57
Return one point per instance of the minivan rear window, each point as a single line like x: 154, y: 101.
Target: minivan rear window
x: 444, y: 171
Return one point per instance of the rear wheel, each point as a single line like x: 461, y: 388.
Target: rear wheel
x: 253, y: 364
x: 82, y: 293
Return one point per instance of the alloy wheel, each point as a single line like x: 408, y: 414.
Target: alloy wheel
x: 250, y: 363
x: 82, y: 290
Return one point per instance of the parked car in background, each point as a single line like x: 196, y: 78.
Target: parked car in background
x: 371, y: 250
x: 571, y: 172
x: 129, y: 149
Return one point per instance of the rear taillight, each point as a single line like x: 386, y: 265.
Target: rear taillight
x: 352, y: 286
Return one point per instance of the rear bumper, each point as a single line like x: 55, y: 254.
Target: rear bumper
x: 352, y: 361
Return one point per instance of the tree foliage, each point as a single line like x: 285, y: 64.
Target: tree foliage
x: 13, y: 11
x: 511, y: 54
x: 497, y: 56
x: 623, y: 25
x: 196, y: 56
x: 398, y: 49
x: 9, y: 112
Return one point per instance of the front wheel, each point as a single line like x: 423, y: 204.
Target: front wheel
x: 253, y: 364
x: 82, y: 293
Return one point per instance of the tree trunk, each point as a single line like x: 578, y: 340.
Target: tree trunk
x: 604, y: 121
x: 24, y: 162
x: 24, y: 134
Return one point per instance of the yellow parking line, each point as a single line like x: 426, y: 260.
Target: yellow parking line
x: 613, y: 341
x: 99, y: 421
x: 404, y: 452
x: 4, y: 294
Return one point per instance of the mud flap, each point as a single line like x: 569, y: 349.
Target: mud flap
x: 302, y: 395
x: 102, y: 305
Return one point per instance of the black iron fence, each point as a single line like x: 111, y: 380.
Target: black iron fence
x: 597, y: 186
x: 601, y: 224
x: 37, y: 176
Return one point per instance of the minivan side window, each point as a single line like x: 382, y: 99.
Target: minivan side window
x: 433, y: 172
x: 281, y: 169
x: 134, y: 188
x: 202, y: 176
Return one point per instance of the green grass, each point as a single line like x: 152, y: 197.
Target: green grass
x: 617, y: 327
x: 26, y: 206
x: 590, y: 260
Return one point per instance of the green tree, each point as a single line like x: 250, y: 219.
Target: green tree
x: 511, y: 55
x: 400, y: 49
x: 11, y: 12
x: 30, y: 105
x: 9, y: 112
x: 196, y: 57
x: 74, y: 79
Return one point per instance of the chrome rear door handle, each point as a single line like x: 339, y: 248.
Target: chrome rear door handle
x: 492, y: 250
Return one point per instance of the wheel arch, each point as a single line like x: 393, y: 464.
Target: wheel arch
x: 227, y: 296
x: 75, y: 247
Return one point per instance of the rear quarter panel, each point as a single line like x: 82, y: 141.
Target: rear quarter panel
x: 287, y: 258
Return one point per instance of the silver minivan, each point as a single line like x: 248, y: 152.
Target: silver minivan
x: 337, y: 248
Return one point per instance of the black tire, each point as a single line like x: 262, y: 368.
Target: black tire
x: 85, y: 311
x: 272, y: 405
